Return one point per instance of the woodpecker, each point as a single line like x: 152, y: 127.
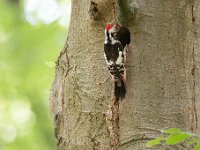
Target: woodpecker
x: 117, y: 38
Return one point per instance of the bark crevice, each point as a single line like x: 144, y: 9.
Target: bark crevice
x: 137, y: 137
x: 194, y: 115
x: 193, y: 72
x: 112, y: 120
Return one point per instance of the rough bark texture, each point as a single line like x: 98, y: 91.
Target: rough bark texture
x: 162, y: 75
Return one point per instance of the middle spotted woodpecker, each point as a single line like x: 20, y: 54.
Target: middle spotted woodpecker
x: 117, y: 39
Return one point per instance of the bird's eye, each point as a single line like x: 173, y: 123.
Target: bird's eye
x: 114, y: 35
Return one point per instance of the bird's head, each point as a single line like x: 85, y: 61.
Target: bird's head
x: 111, y: 31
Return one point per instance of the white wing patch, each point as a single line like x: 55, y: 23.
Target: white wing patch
x: 109, y: 63
x: 119, y: 60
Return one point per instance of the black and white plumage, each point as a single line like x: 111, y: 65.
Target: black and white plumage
x: 117, y: 39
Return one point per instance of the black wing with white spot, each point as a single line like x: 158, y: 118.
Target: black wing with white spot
x: 115, y: 59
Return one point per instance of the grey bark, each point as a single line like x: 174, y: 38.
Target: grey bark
x: 162, y: 76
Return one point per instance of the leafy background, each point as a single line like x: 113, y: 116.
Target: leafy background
x: 32, y: 33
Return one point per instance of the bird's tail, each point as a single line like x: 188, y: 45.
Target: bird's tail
x: 120, y: 90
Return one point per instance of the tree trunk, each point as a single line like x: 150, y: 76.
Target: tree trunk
x: 162, y: 75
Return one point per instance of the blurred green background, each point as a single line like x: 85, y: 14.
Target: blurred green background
x: 32, y: 33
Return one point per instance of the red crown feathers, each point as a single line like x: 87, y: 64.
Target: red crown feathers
x: 109, y: 26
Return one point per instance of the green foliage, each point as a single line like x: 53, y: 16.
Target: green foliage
x: 172, y: 131
x: 174, y: 136
x: 197, y: 147
x: 27, y: 56
x: 155, y: 142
